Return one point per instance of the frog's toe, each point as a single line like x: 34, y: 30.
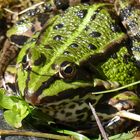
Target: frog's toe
x: 117, y: 124
x: 106, y: 84
x: 125, y: 101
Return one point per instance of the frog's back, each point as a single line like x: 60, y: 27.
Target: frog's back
x: 81, y: 32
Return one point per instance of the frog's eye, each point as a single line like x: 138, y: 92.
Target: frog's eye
x: 67, y: 70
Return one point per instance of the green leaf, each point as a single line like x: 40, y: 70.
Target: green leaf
x: 15, y: 116
x: 76, y: 135
x: 5, y: 101
x: 41, y: 117
x: 17, y: 109
x: 123, y: 136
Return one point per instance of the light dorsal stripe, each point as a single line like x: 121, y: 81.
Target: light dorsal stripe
x: 75, y: 34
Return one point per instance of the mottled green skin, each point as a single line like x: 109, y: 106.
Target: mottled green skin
x: 88, y: 64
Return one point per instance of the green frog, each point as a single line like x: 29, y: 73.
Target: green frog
x: 77, y: 53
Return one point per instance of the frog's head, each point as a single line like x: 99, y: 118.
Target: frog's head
x: 52, y: 68
x: 42, y: 78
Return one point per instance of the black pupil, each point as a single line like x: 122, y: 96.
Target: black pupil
x: 68, y: 70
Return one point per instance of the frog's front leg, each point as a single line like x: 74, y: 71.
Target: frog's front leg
x: 127, y: 101
x: 8, y: 53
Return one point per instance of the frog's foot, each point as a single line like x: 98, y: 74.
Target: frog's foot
x: 106, y: 84
x: 8, y: 82
x: 117, y: 125
x: 4, y: 85
x: 127, y: 101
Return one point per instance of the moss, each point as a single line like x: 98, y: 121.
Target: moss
x: 121, y: 69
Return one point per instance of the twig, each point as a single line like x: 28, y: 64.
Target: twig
x: 117, y: 89
x: 129, y: 115
x: 35, y: 134
x: 103, y: 133
x: 32, y: 7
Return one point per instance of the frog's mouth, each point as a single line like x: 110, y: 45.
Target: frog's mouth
x: 55, y: 87
x: 79, y: 93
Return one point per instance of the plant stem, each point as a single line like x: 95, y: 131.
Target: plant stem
x: 35, y: 134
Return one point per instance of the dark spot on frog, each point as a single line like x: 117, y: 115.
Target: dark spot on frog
x: 66, y: 52
x: 92, y: 47
x: 81, y: 111
x: 25, y: 63
x: 24, y: 59
x: 95, y: 34
x: 72, y: 106
x: 61, y: 4
x: 12, y: 87
x: 26, y: 85
x: 19, y: 39
x: 68, y: 114
x: 95, y: 14
x: 115, y: 28
x: 58, y: 26
x: 62, y: 111
x: 80, y: 103
x: 57, y: 37
x: 63, y: 104
x: 52, y: 106
x: 74, y: 45
x: 40, y: 61
x: 81, y: 13
x: 80, y: 116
